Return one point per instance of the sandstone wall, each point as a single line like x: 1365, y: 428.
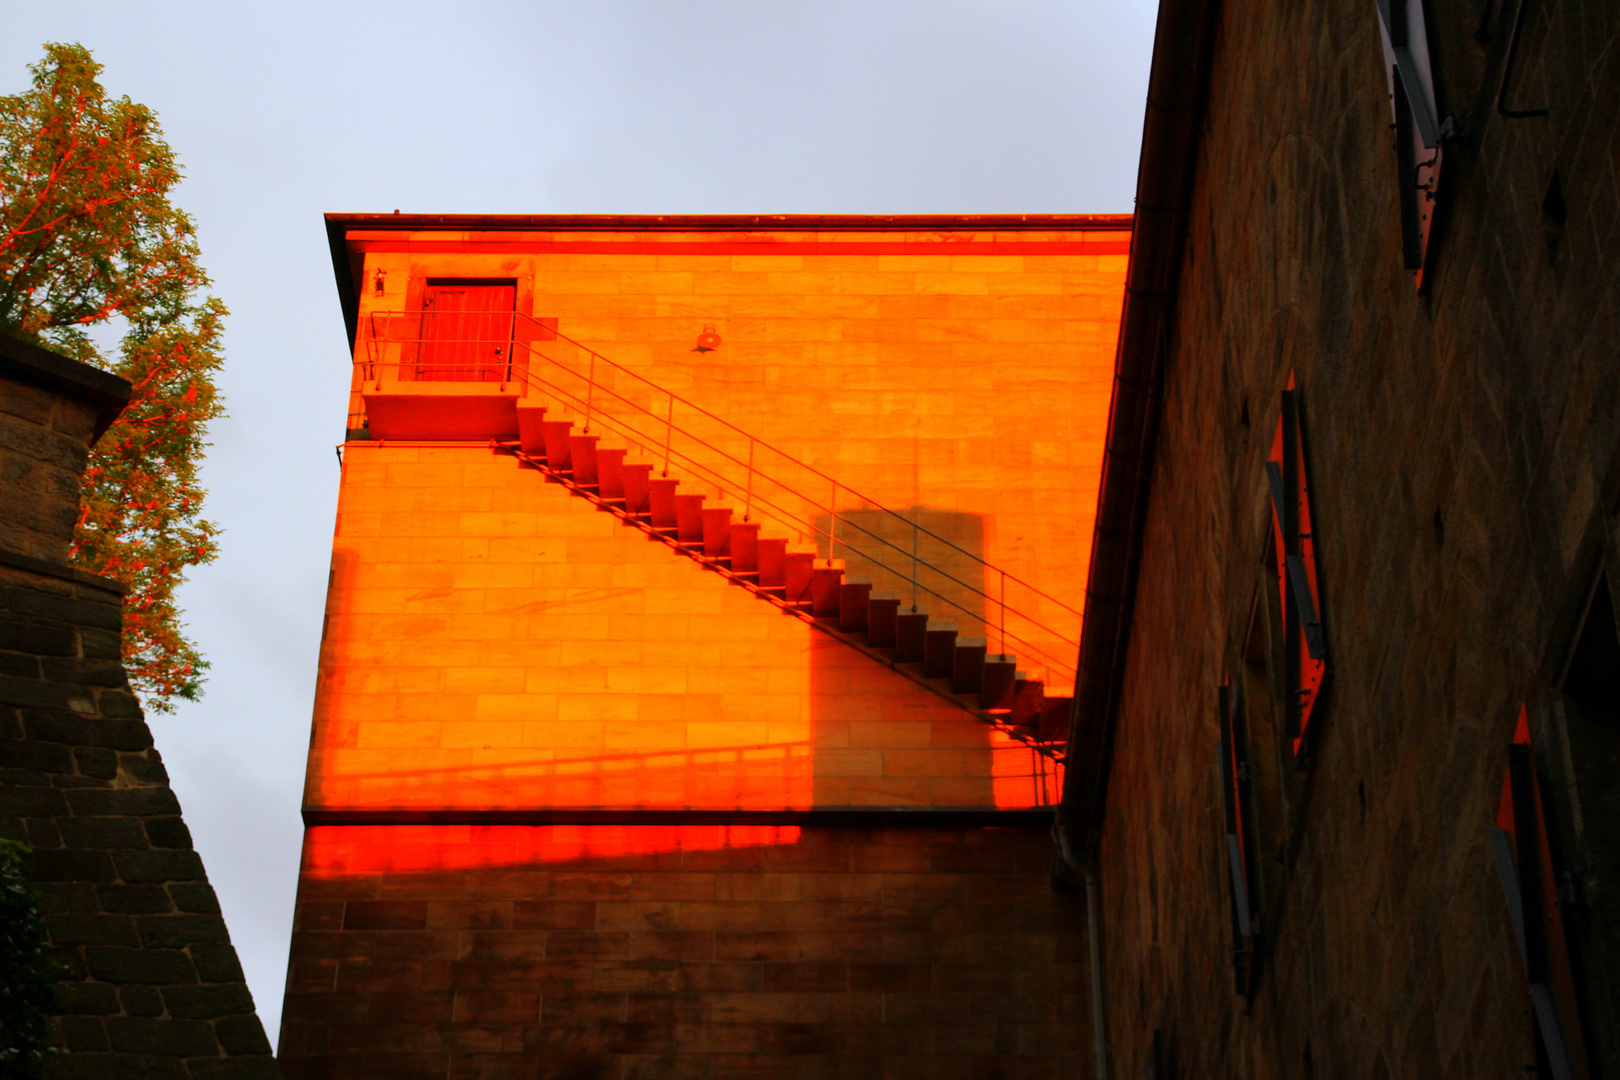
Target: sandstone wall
x: 690, y: 951
x: 493, y: 641
x: 961, y: 370
x: 1463, y: 446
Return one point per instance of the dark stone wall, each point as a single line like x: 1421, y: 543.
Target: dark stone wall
x: 44, y: 438
x: 1463, y: 448
x: 684, y: 951
x: 151, y: 986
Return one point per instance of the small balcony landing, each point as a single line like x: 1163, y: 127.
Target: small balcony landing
x: 442, y: 409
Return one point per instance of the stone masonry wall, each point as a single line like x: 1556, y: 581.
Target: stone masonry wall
x: 152, y: 986
x: 44, y: 436
x: 1463, y: 448
x: 683, y: 952
x: 150, y: 983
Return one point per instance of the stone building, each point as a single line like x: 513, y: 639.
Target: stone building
x: 151, y: 986
x: 1346, y: 728
x: 704, y: 604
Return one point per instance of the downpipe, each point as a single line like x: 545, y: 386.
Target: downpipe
x: 1072, y: 865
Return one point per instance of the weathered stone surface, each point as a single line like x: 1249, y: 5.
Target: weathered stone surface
x: 671, y: 951
x: 151, y: 988
x: 154, y: 987
x: 44, y: 437
x: 1463, y: 450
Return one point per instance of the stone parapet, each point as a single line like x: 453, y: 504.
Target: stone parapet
x: 150, y: 985
x: 51, y: 410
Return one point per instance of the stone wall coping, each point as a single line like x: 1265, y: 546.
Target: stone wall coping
x: 29, y: 363
x: 18, y: 561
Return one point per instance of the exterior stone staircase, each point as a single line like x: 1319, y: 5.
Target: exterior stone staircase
x: 904, y: 637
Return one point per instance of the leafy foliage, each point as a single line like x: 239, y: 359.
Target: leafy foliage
x: 88, y: 236
x: 88, y: 229
x: 27, y: 974
x: 138, y: 513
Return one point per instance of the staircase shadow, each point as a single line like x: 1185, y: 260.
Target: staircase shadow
x: 876, y: 739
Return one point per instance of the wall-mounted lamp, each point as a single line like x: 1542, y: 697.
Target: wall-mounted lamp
x: 377, y: 284
x: 708, y: 341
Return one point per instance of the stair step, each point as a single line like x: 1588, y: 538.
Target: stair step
x: 910, y: 634
x: 689, y: 520
x: 882, y: 609
x: 717, y: 533
x: 530, y: 438
x: 745, y: 547
x: 793, y: 573
x: 854, y: 604
x: 555, y: 434
x: 1054, y: 722
x: 638, y: 490
x: 996, y: 686
x: 1027, y: 697
x: 798, y: 571
x: 826, y: 587
x: 610, y: 474
x: 661, y: 502
x: 939, y: 648
x: 967, y: 665
x: 582, y: 458
x: 772, y: 553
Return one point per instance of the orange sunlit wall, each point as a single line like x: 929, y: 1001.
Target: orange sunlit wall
x: 494, y: 641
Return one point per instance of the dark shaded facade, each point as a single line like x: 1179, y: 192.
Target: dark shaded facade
x: 1411, y: 872
x: 151, y: 984
x: 683, y: 951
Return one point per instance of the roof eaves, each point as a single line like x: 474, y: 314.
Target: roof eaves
x: 339, y: 224
x: 1177, y: 94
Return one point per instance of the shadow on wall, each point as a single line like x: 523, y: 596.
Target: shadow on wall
x: 876, y: 739
x: 683, y: 950
x: 917, y: 551
x: 569, y: 662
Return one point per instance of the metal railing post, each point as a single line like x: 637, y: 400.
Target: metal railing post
x: 590, y: 395
x: 832, y: 525
x: 1003, y: 651
x: 669, y: 433
x: 511, y: 345
x: 914, y: 531
x: 748, y: 498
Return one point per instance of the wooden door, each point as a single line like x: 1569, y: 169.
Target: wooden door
x: 467, y: 332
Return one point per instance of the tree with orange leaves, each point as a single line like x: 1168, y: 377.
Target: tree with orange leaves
x: 88, y: 237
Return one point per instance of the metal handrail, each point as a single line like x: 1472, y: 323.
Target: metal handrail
x: 702, y: 471
x: 506, y: 361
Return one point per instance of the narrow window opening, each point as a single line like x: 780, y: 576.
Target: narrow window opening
x: 1554, y: 214
x: 1553, y: 205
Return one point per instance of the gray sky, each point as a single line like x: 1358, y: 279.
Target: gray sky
x: 282, y: 111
